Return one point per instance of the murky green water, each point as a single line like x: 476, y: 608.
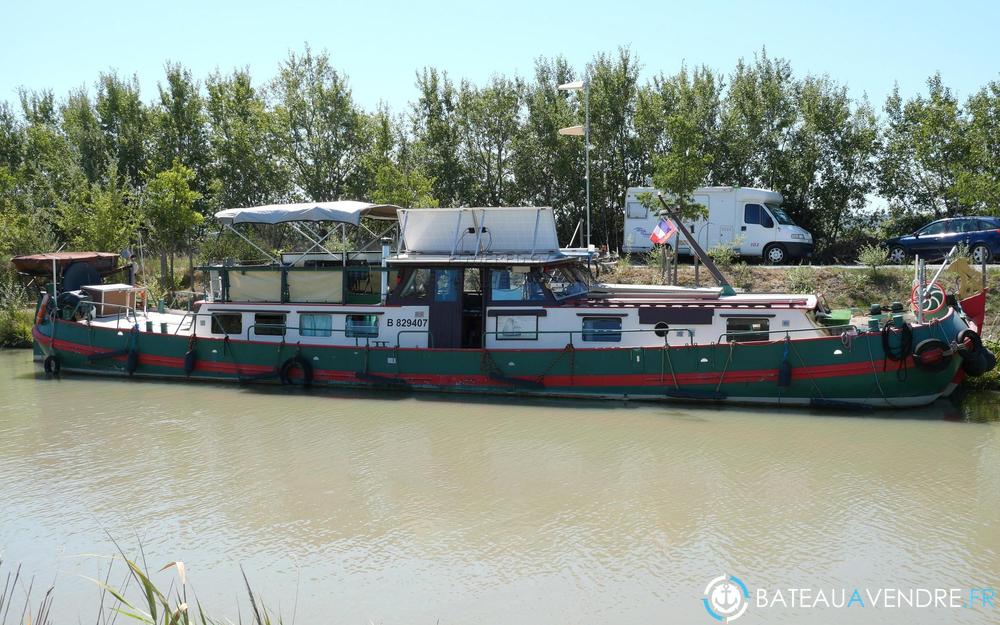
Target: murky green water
x: 419, y: 509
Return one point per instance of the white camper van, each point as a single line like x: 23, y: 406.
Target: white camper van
x: 749, y: 219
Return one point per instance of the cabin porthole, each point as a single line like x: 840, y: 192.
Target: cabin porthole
x: 661, y: 329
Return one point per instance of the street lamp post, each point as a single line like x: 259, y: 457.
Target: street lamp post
x: 576, y: 131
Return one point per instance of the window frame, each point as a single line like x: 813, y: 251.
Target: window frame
x: 315, y: 332
x: 749, y: 335
x: 351, y: 332
x: 270, y: 329
x: 214, y: 325
x: 600, y: 335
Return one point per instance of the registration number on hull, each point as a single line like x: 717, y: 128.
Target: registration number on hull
x: 405, y: 323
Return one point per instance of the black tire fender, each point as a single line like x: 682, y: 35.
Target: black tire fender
x: 973, y: 337
x: 52, y: 365
x: 296, y: 362
x: 931, y: 355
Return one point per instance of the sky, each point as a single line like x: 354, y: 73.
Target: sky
x: 868, y: 46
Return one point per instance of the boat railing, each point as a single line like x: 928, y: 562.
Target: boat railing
x: 126, y: 311
x: 724, y: 337
x: 663, y: 333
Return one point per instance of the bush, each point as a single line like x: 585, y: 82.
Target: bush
x: 15, y: 328
x: 873, y: 257
x: 724, y: 255
x: 801, y: 280
x: 15, y: 312
x: 742, y: 276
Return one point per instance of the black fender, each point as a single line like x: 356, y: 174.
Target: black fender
x: 131, y: 361
x: 972, y: 337
x: 190, y: 361
x: 931, y: 355
x: 52, y: 365
x: 296, y: 362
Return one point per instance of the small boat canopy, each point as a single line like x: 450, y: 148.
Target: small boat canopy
x: 344, y: 211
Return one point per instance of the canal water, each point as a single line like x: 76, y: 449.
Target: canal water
x: 380, y: 508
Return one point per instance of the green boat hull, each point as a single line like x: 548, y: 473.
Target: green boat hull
x: 828, y: 371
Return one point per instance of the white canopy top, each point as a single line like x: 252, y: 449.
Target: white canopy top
x: 344, y: 211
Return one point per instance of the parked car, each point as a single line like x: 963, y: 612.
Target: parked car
x: 980, y: 234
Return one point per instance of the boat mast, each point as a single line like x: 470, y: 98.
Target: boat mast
x: 727, y: 289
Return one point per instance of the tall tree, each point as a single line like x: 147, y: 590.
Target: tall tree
x: 83, y: 129
x: 245, y: 153
x: 757, y: 119
x: 438, y: 137
x: 181, y: 126
x: 321, y: 130
x: 616, y: 159
x: 830, y: 162
x: 125, y: 122
x: 489, y: 119
x: 924, y: 148
x: 167, y: 208
x: 978, y: 184
x: 548, y: 168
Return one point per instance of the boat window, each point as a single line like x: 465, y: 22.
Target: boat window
x: 417, y: 284
x: 360, y: 282
x: 602, y: 329
x: 516, y: 284
x: 362, y: 326
x: 269, y: 324
x: 472, y: 282
x: 755, y: 214
x: 517, y: 328
x: 745, y: 329
x: 447, y: 285
x: 779, y: 214
x: 316, y: 324
x: 227, y: 323
x: 637, y: 211
x: 564, y: 281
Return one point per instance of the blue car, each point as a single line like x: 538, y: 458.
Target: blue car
x: 933, y: 241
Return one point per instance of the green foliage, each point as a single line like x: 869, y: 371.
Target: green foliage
x: 801, y: 280
x: 320, y: 131
x: 100, y: 216
x: 301, y: 136
x: 245, y: 150
x: 169, y: 215
x: 874, y: 257
x: 724, y: 255
x: 741, y: 275
x: 15, y: 314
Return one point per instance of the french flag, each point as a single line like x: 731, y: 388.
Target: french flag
x: 662, y: 232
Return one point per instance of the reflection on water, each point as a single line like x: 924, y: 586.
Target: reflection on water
x: 411, y: 509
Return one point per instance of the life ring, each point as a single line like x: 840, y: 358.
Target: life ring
x: 931, y: 355
x: 296, y: 362
x: 40, y: 315
x: 52, y: 365
x: 965, y: 338
x: 935, y: 298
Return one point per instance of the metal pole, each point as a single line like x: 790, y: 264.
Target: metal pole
x: 727, y: 289
x: 586, y: 147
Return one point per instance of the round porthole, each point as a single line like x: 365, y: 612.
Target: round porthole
x: 661, y: 329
